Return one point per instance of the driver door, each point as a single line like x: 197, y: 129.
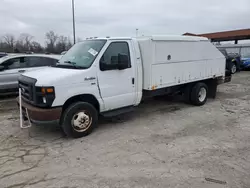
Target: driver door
x: 117, y: 87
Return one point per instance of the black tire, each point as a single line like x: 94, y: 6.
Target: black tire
x: 196, y: 99
x: 72, y: 112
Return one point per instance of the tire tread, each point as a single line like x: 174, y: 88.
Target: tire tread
x: 68, y: 114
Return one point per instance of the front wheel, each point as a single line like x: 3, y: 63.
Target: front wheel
x: 79, y: 119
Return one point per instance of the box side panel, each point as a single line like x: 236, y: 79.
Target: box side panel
x: 165, y: 75
x: 184, y: 51
x: 179, y: 62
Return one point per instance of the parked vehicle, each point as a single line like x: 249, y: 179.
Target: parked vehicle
x: 12, y: 66
x: 111, y: 76
x: 242, y: 49
x: 2, y: 54
x: 233, y: 61
x: 246, y: 63
x: 245, y: 57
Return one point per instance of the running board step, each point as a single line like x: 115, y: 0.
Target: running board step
x: 118, y: 111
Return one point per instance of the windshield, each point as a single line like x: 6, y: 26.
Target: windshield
x: 83, y: 54
x: 245, y: 52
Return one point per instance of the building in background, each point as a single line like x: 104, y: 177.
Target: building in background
x: 235, y: 35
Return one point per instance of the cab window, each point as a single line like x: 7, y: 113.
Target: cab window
x: 110, y: 58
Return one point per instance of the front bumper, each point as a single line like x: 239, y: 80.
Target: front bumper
x: 41, y: 115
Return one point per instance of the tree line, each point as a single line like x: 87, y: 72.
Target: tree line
x: 25, y: 43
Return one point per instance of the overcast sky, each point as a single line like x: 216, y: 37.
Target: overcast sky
x: 122, y: 17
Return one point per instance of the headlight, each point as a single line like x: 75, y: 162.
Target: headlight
x: 45, y: 96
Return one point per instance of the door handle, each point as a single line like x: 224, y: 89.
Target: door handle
x: 133, y: 81
x: 21, y: 71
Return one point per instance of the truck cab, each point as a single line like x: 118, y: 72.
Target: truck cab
x: 100, y: 75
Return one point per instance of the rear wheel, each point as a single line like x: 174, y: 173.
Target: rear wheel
x: 79, y: 119
x: 199, y: 94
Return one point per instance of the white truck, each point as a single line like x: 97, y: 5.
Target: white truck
x: 111, y: 76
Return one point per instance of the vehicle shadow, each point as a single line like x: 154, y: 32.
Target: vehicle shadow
x: 46, y: 133
x: 148, y: 109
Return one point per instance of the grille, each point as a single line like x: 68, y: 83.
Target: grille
x: 26, y: 90
x: 27, y: 86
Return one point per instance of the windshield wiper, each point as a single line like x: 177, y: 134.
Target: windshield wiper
x: 74, y: 65
x: 70, y: 62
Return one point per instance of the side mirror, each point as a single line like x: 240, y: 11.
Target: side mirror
x: 2, y: 68
x: 102, y: 65
x: 123, y: 62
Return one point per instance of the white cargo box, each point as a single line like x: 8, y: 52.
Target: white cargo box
x: 174, y: 60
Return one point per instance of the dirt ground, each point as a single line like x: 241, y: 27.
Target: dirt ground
x: 162, y: 144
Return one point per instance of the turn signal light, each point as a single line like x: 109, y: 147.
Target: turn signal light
x: 47, y: 90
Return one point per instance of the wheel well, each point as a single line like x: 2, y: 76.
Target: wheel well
x: 211, y: 84
x: 83, y: 98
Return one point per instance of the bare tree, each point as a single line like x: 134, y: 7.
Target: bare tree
x: 51, y: 39
x: 2, y: 46
x: 26, y: 38
x: 69, y: 44
x: 54, y: 43
x: 9, y: 39
x: 23, y: 43
x: 61, y: 45
x: 36, y: 47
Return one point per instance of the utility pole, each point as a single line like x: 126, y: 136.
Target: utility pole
x: 73, y: 14
x: 137, y: 32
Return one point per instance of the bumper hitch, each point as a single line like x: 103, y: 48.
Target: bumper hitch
x: 23, y: 113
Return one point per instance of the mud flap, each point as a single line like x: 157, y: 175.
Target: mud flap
x: 212, y: 88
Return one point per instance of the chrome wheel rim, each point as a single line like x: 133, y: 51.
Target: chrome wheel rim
x: 202, y: 94
x: 81, y: 121
x: 234, y: 69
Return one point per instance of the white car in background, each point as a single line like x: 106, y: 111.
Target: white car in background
x: 12, y: 66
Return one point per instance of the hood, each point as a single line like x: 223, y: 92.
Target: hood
x: 52, y: 76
